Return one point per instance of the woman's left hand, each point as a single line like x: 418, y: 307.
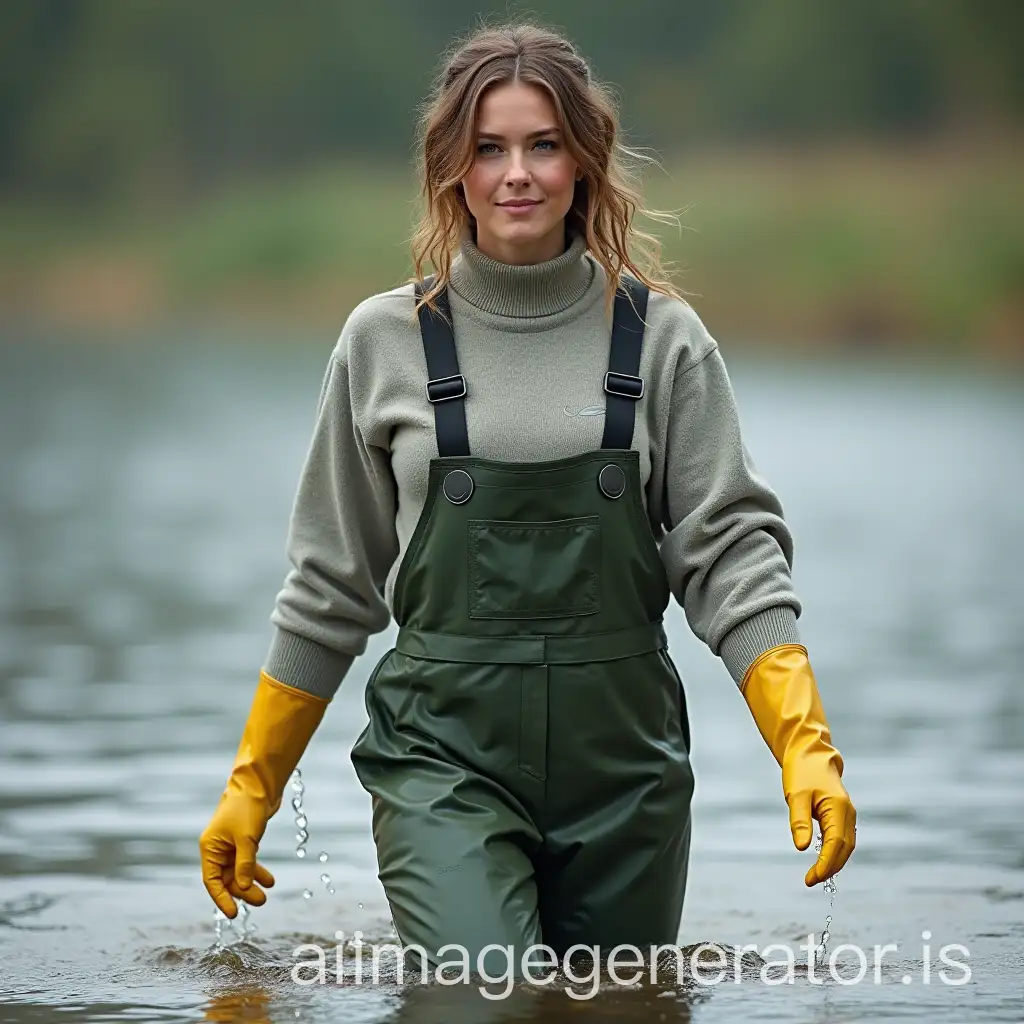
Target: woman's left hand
x: 782, y: 694
x: 814, y: 789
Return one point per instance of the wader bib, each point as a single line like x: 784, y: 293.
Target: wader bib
x: 527, y: 750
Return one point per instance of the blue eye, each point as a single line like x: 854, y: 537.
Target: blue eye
x: 486, y: 148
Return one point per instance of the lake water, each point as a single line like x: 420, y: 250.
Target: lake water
x: 144, y: 501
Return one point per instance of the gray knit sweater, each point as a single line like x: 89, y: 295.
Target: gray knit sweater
x: 533, y: 344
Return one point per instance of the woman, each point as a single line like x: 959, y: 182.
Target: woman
x: 525, y: 502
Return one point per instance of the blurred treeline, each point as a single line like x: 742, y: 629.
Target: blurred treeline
x: 191, y: 155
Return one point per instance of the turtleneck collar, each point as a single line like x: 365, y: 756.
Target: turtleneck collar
x: 537, y: 289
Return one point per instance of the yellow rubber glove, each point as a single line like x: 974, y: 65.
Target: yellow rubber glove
x: 781, y: 692
x: 281, y: 723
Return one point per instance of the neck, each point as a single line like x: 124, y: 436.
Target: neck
x: 520, y: 254
x: 522, y: 290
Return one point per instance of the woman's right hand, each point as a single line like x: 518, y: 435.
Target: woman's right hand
x: 228, y: 848
x: 281, y: 723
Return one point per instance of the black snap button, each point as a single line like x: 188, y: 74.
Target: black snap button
x: 457, y: 486
x: 612, y: 481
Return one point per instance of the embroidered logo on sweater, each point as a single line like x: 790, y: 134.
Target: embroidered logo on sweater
x: 590, y: 410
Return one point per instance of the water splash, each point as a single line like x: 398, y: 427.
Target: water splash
x: 302, y: 831
x: 822, y: 948
x: 227, y: 932
x: 829, y: 886
x: 244, y: 919
x: 301, y: 821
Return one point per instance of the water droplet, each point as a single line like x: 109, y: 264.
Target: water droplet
x: 300, y: 852
x: 296, y: 804
x: 360, y: 906
x: 301, y: 837
x: 300, y: 821
x: 330, y: 888
x: 822, y: 948
x: 323, y: 857
x: 325, y: 879
x: 306, y: 894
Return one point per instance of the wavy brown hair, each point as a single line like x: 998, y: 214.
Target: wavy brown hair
x: 605, y: 201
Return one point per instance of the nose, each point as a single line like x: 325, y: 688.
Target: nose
x: 516, y: 173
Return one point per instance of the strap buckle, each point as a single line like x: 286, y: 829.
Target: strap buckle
x: 442, y: 389
x: 624, y: 384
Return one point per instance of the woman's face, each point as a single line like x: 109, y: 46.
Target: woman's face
x: 521, y: 184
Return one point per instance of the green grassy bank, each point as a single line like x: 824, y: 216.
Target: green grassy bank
x: 847, y: 248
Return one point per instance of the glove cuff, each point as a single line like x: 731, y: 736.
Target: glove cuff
x: 281, y: 722
x: 782, y: 695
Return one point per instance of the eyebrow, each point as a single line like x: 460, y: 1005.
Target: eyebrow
x: 531, y: 135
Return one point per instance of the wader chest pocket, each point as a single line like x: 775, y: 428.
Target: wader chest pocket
x: 523, y: 570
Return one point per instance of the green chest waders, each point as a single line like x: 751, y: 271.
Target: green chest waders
x: 527, y: 750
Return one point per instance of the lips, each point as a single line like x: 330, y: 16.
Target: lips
x: 514, y: 203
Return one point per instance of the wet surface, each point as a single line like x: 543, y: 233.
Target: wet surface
x: 143, y: 507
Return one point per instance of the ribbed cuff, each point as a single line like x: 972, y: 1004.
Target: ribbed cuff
x: 745, y: 643
x: 306, y: 665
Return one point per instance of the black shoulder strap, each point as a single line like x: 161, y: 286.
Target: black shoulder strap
x: 622, y: 384
x: 446, y: 387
